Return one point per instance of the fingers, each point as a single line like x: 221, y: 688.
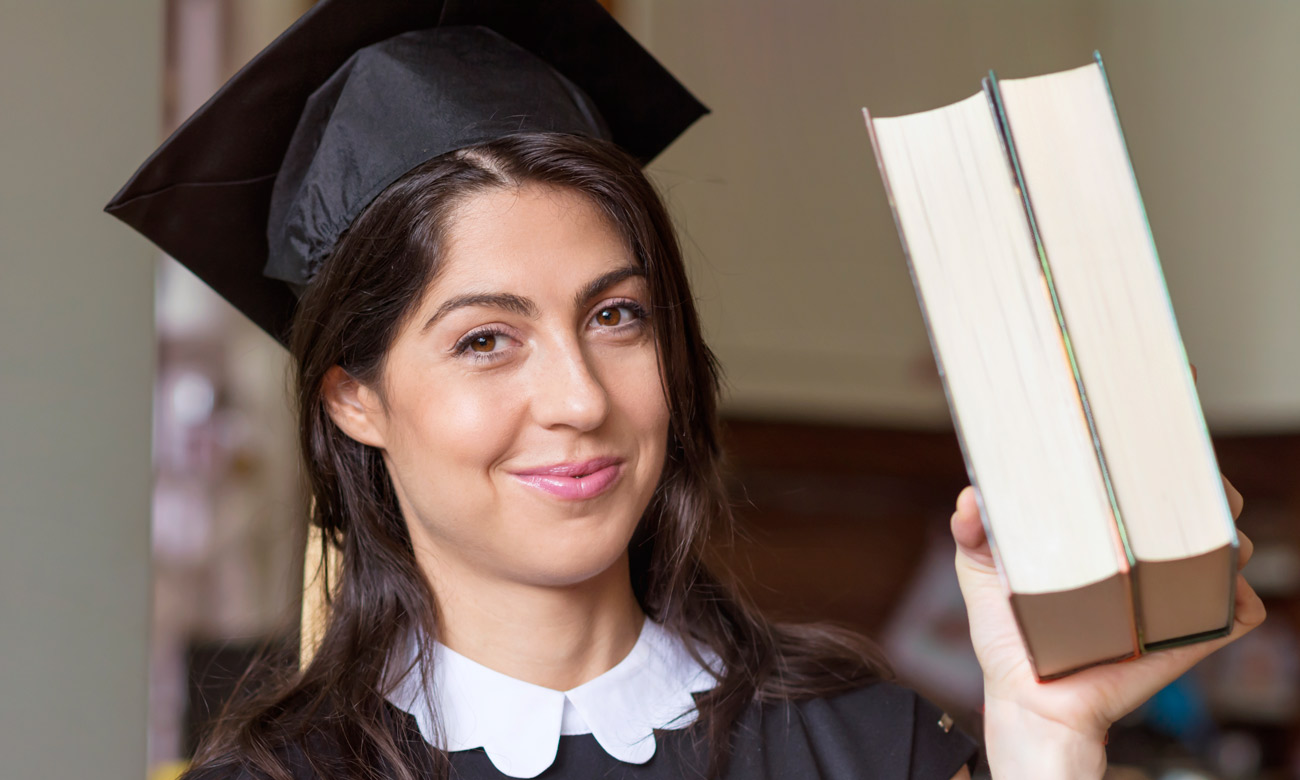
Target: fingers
x: 1245, y: 549
x: 1248, y: 611
x: 1235, y: 501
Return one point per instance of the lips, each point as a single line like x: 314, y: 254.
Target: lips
x: 570, y: 469
x: 573, y: 481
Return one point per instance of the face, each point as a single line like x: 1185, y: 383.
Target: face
x: 521, y: 412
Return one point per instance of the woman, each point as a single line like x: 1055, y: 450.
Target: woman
x: 508, y: 420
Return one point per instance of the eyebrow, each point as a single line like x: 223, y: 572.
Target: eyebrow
x: 524, y: 307
x: 512, y: 303
x: 597, y: 285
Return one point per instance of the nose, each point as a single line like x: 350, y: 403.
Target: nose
x: 567, y: 391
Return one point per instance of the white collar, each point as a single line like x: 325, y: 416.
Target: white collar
x: 519, y: 724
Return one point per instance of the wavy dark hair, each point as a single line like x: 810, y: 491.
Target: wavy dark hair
x: 333, y: 711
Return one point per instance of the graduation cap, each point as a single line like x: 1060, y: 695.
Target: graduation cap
x: 252, y: 191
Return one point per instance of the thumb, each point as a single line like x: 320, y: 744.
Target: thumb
x: 968, y: 531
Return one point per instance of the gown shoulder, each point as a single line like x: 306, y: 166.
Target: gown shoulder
x: 881, y: 730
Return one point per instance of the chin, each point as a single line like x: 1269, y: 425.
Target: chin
x: 577, y: 559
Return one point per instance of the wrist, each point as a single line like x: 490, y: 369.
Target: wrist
x: 1023, y: 745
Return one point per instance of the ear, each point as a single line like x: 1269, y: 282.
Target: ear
x: 353, y: 407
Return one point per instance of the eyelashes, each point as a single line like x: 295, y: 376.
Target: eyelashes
x: 485, y: 344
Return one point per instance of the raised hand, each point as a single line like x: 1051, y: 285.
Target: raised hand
x: 1058, y: 729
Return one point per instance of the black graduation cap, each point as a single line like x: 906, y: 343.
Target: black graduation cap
x: 358, y: 92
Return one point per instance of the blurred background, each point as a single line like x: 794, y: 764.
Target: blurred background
x: 844, y: 461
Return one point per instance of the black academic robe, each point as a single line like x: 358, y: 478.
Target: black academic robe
x: 879, y: 732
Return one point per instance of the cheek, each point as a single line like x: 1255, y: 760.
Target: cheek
x: 654, y: 411
x: 635, y: 387
x: 453, y: 426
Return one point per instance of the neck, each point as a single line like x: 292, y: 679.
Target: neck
x: 554, y: 636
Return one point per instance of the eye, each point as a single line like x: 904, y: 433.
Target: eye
x: 618, y: 314
x: 486, y: 344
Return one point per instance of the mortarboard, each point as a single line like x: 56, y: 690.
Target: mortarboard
x: 252, y: 191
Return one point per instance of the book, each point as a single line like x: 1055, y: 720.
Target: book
x: 1068, y: 382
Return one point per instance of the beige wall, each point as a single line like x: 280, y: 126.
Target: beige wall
x: 79, y: 88
x: 804, y: 289
x: 1209, y: 94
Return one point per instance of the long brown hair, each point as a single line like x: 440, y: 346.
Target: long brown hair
x: 348, y: 317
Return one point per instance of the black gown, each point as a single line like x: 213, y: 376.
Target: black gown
x: 882, y: 731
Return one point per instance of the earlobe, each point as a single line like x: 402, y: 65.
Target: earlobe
x: 352, y: 406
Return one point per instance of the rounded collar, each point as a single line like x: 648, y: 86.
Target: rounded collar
x: 519, y: 724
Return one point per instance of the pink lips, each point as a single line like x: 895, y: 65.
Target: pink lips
x: 574, y: 481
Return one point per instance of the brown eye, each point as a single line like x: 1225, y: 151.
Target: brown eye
x: 609, y: 316
x: 484, y: 343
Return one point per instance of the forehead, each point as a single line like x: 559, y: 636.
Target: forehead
x: 527, y: 237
